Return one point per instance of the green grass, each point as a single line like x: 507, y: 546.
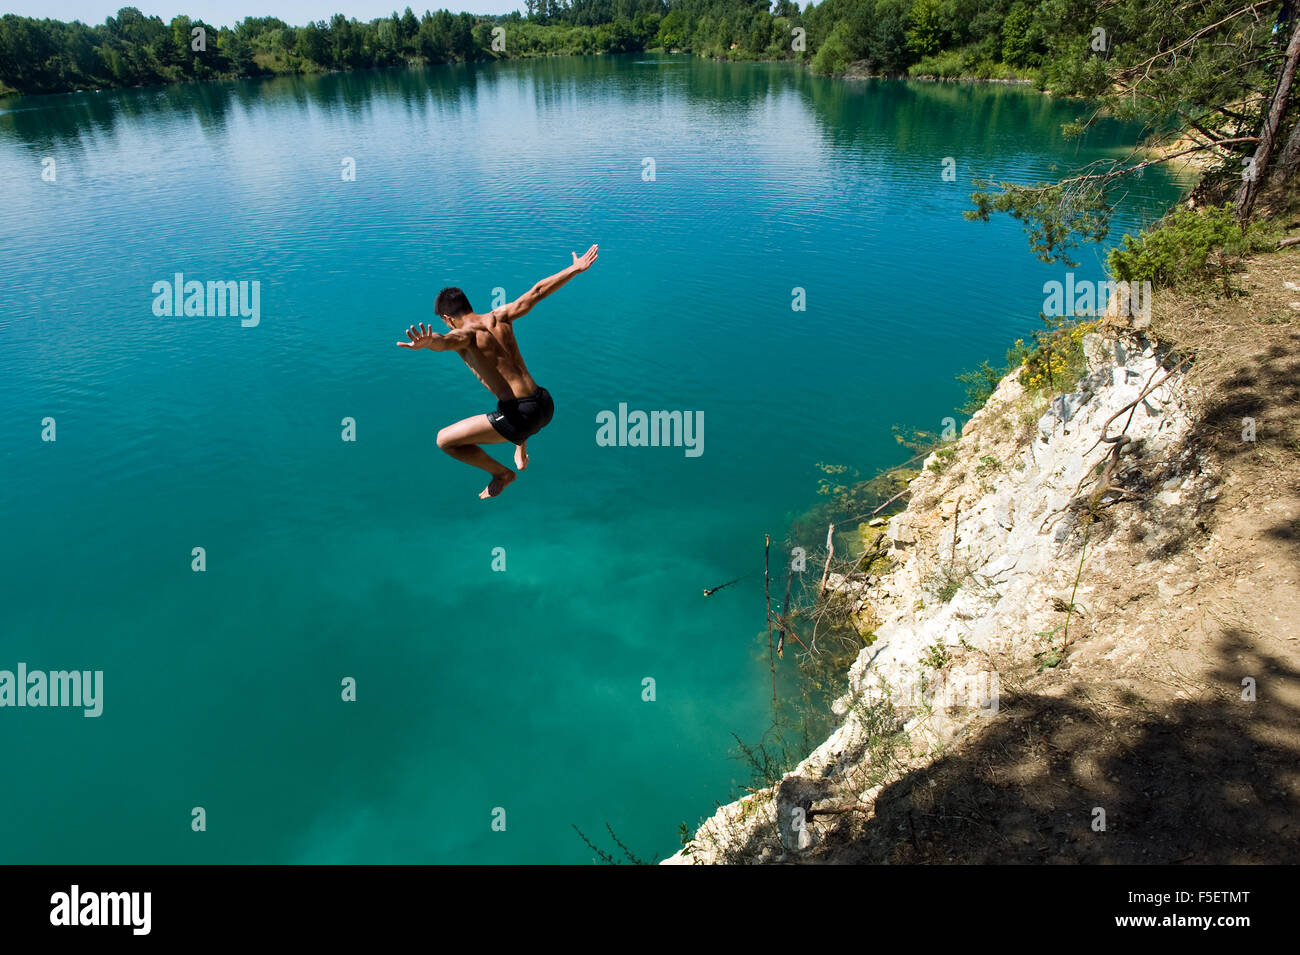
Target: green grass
x: 943, y: 460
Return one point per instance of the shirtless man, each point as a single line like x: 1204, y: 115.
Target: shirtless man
x: 487, y: 344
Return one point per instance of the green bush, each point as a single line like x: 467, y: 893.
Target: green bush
x: 974, y: 61
x: 1056, y: 362
x: 1053, y: 363
x: 951, y: 64
x: 989, y: 69
x: 1075, y: 69
x: 936, y: 655
x: 1185, y: 247
x: 980, y: 384
x: 943, y: 457
x: 833, y: 58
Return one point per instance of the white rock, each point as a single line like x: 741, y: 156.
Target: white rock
x: 1021, y: 555
x: 1099, y: 352
x: 900, y: 530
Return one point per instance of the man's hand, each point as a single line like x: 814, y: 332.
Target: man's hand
x: 587, y: 261
x: 423, y: 338
x: 524, y: 304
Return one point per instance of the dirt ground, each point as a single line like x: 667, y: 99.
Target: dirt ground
x: 1148, y: 718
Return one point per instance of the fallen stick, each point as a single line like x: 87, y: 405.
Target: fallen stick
x: 1135, y: 402
x: 713, y: 590
x: 786, y: 628
x: 785, y: 608
x: 956, y: 516
x: 830, y: 552
x: 906, y: 490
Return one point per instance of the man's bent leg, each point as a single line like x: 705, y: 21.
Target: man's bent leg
x: 462, y: 439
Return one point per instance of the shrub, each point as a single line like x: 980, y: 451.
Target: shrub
x: 1053, y: 363
x: 947, y: 65
x: 1074, y: 69
x: 1056, y: 362
x: 936, y: 656
x: 1185, y: 247
x: 980, y: 384
x: 943, y: 457
x: 833, y: 58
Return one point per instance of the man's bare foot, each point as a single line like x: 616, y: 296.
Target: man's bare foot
x: 497, y: 485
x: 521, y: 456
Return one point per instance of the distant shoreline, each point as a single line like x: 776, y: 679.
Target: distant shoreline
x: 8, y: 93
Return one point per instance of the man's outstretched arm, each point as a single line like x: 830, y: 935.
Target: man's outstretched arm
x: 422, y: 337
x: 524, y: 303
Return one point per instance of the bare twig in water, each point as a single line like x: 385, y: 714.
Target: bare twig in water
x: 830, y: 554
x: 607, y: 857
x: 713, y: 590
x: 785, y: 609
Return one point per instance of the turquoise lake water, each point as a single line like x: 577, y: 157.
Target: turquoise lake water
x: 476, y: 689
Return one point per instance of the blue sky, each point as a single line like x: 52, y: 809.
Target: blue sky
x: 226, y: 12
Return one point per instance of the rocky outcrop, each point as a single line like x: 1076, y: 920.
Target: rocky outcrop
x: 983, y: 570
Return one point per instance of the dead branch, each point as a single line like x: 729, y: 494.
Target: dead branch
x: 830, y: 553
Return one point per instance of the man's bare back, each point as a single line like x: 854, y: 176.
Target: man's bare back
x: 492, y: 354
x: 486, y: 343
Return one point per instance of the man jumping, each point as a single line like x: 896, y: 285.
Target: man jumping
x: 487, y: 344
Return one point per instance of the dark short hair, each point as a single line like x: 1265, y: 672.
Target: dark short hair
x: 452, y: 301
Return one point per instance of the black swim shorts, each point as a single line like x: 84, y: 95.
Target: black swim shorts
x: 518, y: 419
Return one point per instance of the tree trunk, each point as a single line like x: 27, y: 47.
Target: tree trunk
x: 1258, y: 167
x: 1288, y: 161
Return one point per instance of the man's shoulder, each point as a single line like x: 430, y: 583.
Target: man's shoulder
x: 486, y: 320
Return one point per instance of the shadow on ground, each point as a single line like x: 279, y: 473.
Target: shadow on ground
x: 1199, y: 781
x: 1264, y: 387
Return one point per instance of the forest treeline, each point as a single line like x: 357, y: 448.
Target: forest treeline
x: 1055, y: 42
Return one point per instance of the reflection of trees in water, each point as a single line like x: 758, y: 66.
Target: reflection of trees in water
x: 899, y: 122
x: 999, y: 121
x: 63, y: 119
